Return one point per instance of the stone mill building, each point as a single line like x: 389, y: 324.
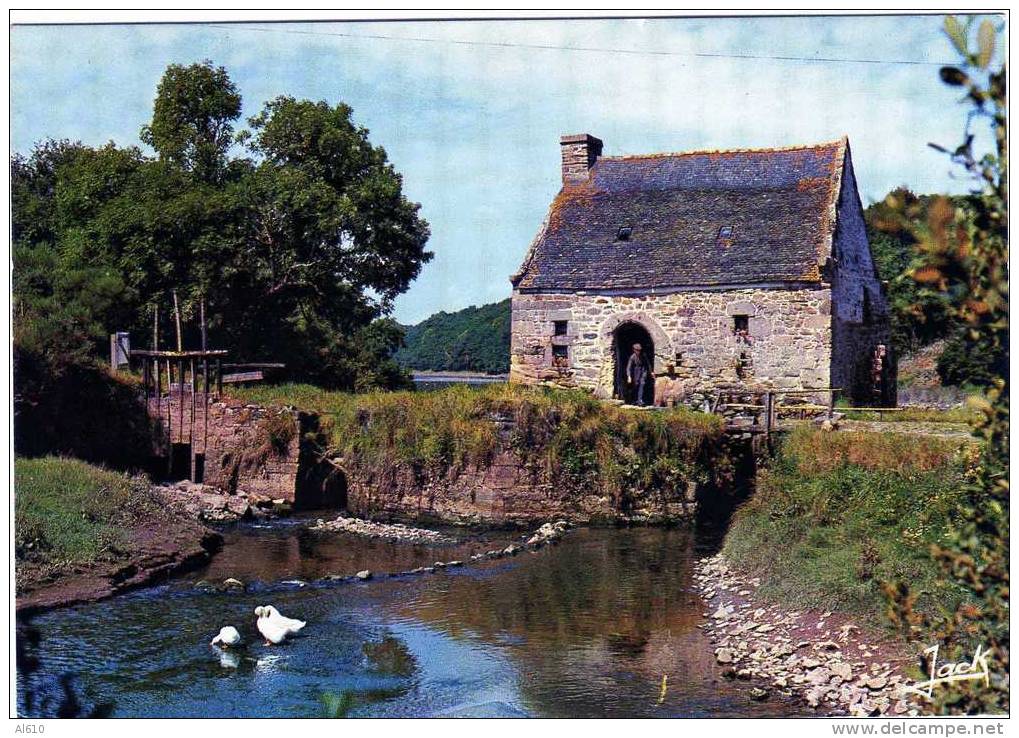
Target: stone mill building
x: 743, y: 269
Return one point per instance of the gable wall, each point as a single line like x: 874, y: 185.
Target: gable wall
x: 855, y: 340
x: 790, y: 337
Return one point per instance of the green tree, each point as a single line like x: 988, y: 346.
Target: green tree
x: 298, y: 247
x: 965, y: 257
x: 192, y: 119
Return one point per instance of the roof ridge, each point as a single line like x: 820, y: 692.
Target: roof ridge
x: 765, y: 150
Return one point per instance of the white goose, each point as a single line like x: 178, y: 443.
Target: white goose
x: 273, y: 626
x: 227, y: 637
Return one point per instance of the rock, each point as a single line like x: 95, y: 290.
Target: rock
x: 364, y: 575
x: 232, y: 583
x: 758, y: 695
x: 439, y: 565
x: 827, y: 646
x: 724, y: 655
x: 878, y: 682
x: 809, y: 663
x: 510, y: 550
x: 814, y: 696
x: 841, y: 669
x: 819, y: 676
x: 729, y: 672
x: 744, y: 674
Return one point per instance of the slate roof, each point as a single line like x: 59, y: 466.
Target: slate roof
x: 778, y: 202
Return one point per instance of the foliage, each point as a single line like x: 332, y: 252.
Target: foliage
x: 69, y: 512
x: 59, y: 411
x: 298, y: 247
x: 835, y: 514
x: 474, y: 339
x: 964, y: 257
x: 192, y: 119
x: 918, y: 317
x: 960, y: 364
x: 566, y: 437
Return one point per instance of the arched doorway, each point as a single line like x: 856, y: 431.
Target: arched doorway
x: 623, y: 339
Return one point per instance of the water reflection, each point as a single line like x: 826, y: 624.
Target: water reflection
x: 584, y: 629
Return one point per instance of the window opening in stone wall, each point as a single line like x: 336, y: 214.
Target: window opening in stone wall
x: 624, y: 233
x: 560, y: 357
x: 726, y: 236
x: 741, y: 326
x: 559, y: 327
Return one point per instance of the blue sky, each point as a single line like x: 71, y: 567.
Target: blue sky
x: 471, y: 112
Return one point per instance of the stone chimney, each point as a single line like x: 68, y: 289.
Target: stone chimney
x: 580, y: 152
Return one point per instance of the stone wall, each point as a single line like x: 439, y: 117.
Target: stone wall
x: 788, y: 345
x: 860, y: 320
x: 246, y: 447
x: 506, y: 491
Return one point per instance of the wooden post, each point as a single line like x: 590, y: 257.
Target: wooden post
x: 155, y: 328
x: 176, y: 318
x: 180, y: 397
x: 169, y: 418
x: 201, y: 313
x: 191, y: 430
x: 219, y: 377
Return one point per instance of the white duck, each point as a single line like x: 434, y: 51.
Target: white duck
x: 228, y: 637
x: 273, y: 626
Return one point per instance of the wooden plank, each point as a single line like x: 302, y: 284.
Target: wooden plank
x: 239, y: 377
x: 178, y: 354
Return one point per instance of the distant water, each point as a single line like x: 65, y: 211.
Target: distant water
x: 440, y: 381
x: 587, y: 628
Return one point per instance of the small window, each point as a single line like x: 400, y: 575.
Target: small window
x: 726, y: 236
x: 624, y: 233
x: 559, y: 327
x: 741, y: 325
x: 560, y: 357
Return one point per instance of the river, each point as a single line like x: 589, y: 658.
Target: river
x: 587, y: 628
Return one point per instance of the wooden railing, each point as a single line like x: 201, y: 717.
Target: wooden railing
x: 766, y: 407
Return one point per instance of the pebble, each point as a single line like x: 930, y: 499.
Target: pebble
x: 760, y: 644
x: 364, y: 575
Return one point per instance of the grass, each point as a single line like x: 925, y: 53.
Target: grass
x: 837, y: 514
x: 568, y: 437
x: 958, y: 415
x: 70, y: 512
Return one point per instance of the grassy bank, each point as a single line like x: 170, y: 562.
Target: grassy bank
x: 837, y: 514
x: 568, y: 437
x: 956, y: 415
x: 68, y: 512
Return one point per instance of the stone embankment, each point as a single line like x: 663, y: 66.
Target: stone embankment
x: 388, y: 531
x: 832, y: 664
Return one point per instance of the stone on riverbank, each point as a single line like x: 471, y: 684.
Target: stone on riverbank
x: 388, y: 531
x: 757, y: 640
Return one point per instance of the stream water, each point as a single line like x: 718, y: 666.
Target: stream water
x: 587, y: 628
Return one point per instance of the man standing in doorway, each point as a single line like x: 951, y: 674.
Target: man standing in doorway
x: 636, y: 372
